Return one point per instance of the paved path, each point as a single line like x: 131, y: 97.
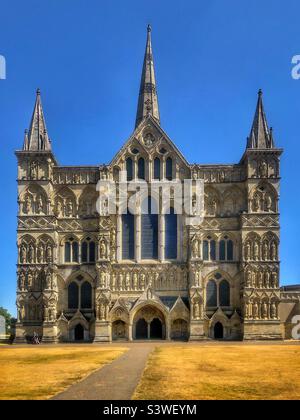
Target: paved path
x: 115, y: 381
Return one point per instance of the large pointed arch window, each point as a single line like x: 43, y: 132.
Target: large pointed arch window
x: 226, y: 249
x: 169, y: 169
x: 141, y: 168
x: 171, y: 235
x: 149, y: 230
x: 224, y: 293
x: 129, y: 169
x: 128, y: 236
x: 211, y: 294
x: 157, y: 168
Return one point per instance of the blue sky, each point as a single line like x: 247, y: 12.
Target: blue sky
x: 211, y: 57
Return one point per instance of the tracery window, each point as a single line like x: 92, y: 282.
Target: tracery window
x: 209, y: 249
x: 71, y: 250
x: 226, y: 249
x: 88, y: 250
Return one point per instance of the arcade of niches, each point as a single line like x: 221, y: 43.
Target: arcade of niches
x: 82, y: 276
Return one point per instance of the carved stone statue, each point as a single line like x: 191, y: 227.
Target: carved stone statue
x: 196, y: 308
x: 23, y: 256
x: 264, y: 310
x: 256, y: 251
x: 103, y: 249
x: 142, y: 281
x: 135, y: 281
x: 273, y: 310
x: 26, y: 205
x: 265, y: 251
x: 31, y: 253
x: 102, y: 280
x: 49, y: 253
x: 127, y: 281
x: 69, y: 208
x: 273, y: 251
x: 39, y: 204
x: 195, y: 248
x: 255, y: 310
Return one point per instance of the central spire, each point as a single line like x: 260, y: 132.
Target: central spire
x: 148, y: 102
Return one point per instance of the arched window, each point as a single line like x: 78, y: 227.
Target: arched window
x: 141, y: 168
x: 226, y: 249
x: 211, y: 293
x: 224, y: 293
x: 149, y: 233
x: 73, y: 294
x: 157, y: 168
x: 71, y: 251
x: 86, y: 295
x: 209, y: 249
x: 129, y: 169
x: 169, y: 169
x: 171, y: 235
x: 128, y: 236
x: 88, y: 251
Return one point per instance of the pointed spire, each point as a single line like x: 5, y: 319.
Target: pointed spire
x: 260, y: 136
x: 148, y: 102
x: 37, y: 137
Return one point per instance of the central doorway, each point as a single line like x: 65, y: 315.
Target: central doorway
x: 218, y: 331
x: 149, y: 324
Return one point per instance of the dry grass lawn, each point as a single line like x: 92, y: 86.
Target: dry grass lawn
x: 41, y: 372
x: 222, y: 372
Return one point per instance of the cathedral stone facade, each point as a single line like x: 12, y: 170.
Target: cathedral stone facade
x: 86, y: 276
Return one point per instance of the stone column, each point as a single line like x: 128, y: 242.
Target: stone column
x: 138, y: 238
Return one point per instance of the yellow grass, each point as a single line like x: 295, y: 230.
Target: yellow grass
x: 222, y: 372
x: 41, y: 372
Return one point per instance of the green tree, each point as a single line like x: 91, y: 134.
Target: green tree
x: 4, y: 312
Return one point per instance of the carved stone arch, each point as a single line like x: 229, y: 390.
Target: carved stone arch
x: 45, y: 249
x: 252, y: 247
x: 211, y: 201
x: 34, y: 200
x: 27, y: 249
x: 65, y: 203
x: 80, y: 277
x: 78, y: 318
x: 68, y: 236
x: 263, y: 198
x: 233, y: 202
x: 87, y: 202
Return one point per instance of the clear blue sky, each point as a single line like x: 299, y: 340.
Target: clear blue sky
x: 211, y: 57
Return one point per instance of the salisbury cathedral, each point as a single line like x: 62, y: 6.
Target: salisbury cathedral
x: 87, y: 276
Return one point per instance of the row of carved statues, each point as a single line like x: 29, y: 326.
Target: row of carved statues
x: 264, y: 249
x: 36, y: 280
x: 264, y: 168
x: 261, y: 278
x: 32, y: 310
x: 261, y: 309
x: 31, y: 252
x: 175, y: 278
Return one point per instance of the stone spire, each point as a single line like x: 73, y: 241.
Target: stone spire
x: 260, y: 136
x: 37, y: 138
x: 148, y: 102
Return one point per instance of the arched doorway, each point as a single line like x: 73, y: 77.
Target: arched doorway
x: 141, y: 331
x: 179, y: 329
x: 118, y: 330
x: 149, y: 323
x: 218, y: 331
x: 78, y: 332
x: 156, y: 329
